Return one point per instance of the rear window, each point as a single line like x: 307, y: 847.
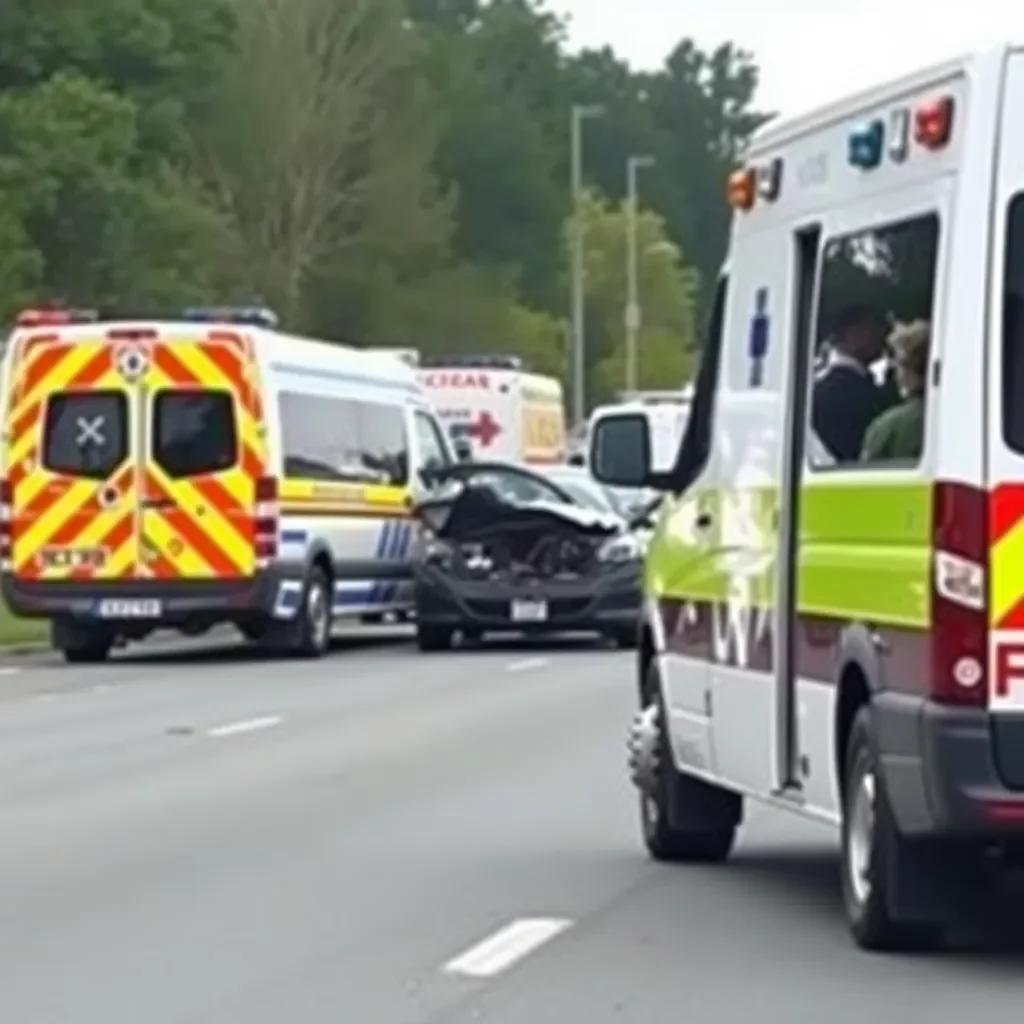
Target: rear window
x: 194, y: 432
x: 85, y: 433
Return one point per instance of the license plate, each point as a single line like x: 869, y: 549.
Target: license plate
x: 529, y: 611
x: 119, y: 608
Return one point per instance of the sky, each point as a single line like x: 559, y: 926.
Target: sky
x: 809, y: 52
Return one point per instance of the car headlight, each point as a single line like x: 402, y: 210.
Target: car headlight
x: 621, y: 549
x: 437, y: 552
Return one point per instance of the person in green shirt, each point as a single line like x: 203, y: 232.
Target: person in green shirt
x: 897, y: 435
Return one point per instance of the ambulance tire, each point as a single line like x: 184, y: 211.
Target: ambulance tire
x: 704, y: 839
x: 79, y: 645
x: 310, y: 633
x: 870, y: 847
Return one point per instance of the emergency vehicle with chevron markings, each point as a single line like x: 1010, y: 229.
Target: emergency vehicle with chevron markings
x: 834, y: 622
x: 209, y: 469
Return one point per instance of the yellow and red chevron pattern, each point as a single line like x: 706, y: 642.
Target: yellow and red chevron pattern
x: 204, y: 527
x: 140, y: 522
x: 1006, y: 556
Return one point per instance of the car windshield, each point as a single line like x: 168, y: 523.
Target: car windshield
x: 585, y: 491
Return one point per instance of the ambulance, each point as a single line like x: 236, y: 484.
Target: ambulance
x: 505, y: 412
x: 210, y: 469
x: 838, y: 631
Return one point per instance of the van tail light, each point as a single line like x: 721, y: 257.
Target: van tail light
x: 6, y: 525
x: 267, y: 515
x: 959, y: 595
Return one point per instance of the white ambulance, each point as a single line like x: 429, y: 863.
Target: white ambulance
x: 834, y: 618
x: 505, y: 412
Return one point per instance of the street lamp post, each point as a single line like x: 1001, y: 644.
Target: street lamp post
x: 579, y: 114
x: 634, y: 317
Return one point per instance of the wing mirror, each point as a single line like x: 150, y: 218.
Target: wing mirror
x: 463, y: 449
x: 620, y: 450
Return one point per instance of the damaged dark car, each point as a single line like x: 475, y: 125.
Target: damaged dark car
x: 505, y: 550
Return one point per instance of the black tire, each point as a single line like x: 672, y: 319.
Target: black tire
x: 434, y: 638
x: 79, y: 644
x: 95, y: 652
x: 625, y: 639
x: 868, y: 852
x: 710, y: 813
x: 311, y: 630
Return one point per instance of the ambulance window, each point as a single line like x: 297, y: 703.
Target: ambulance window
x: 194, y: 432
x: 433, y: 452
x: 1013, y: 328
x: 321, y: 438
x: 85, y: 433
x: 873, y: 341
x: 385, y: 452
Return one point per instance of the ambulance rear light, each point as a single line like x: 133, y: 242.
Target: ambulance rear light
x: 5, y: 524
x: 132, y: 334
x: 959, y: 601
x: 55, y: 317
x: 933, y: 123
x: 865, y: 146
x: 247, y: 316
x: 267, y: 516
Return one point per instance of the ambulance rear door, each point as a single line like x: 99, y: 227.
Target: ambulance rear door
x: 203, y: 440
x: 70, y: 458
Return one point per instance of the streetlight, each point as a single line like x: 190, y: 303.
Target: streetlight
x: 633, y: 315
x: 579, y: 114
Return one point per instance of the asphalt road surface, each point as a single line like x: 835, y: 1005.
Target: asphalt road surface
x: 385, y: 837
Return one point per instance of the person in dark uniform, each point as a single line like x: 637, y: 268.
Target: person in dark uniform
x: 846, y: 397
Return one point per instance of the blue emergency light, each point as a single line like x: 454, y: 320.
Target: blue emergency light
x: 248, y: 316
x: 865, y: 146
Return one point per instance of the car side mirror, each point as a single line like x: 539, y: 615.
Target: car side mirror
x: 620, y: 450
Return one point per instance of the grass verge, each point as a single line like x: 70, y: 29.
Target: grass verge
x: 15, y: 631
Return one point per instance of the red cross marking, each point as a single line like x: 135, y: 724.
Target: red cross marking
x: 485, y: 429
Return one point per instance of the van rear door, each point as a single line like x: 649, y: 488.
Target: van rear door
x: 69, y: 457
x: 203, y: 458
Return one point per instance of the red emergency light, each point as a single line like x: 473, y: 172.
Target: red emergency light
x: 933, y: 123
x: 55, y: 317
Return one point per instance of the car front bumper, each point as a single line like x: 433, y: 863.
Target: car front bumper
x: 607, y: 602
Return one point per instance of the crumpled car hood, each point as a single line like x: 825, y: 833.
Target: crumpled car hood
x: 480, y: 509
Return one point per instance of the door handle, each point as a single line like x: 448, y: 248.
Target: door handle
x: 704, y: 521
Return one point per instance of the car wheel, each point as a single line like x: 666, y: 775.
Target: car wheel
x: 433, y: 638
x: 870, y: 841
x: 625, y: 639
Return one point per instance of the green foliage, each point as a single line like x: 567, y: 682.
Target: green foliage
x: 667, y: 290
x: 388, y: 171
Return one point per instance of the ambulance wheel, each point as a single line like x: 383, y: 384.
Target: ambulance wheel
x: 872, y: 848
x: 684, y: 819
x: 433, y: 638
x: 312, y: 626
x: 80, y: 645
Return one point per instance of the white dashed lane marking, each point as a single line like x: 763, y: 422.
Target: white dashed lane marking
x: 247, y: 725
x: 506, y: 947
x: 527, y: 664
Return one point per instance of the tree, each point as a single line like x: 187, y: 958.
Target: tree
x: 668, y: 290
x: 497, y: 72
x: 302, y: 138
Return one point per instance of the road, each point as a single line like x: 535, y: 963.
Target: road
x: 209, y: 838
